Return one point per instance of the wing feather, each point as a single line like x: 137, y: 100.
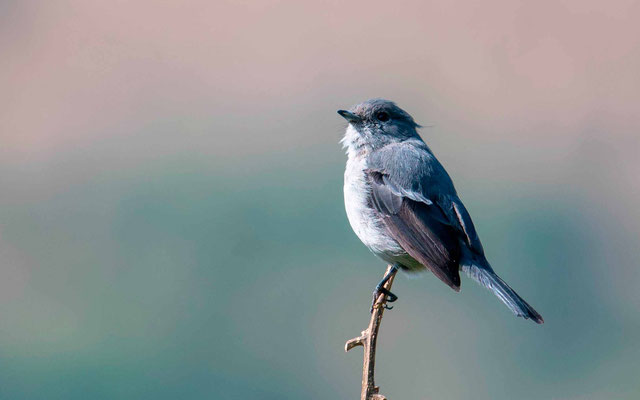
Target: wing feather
x: 421, y: 229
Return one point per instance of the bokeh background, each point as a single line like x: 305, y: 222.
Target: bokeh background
x: 171, y: 214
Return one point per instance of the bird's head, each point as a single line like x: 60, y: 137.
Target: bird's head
x: 376, y: 123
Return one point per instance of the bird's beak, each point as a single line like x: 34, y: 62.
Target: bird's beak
x: 349, y: 116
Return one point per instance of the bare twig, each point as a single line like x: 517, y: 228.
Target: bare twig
x: 368, y: 340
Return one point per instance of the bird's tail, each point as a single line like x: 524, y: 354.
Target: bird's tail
x: 487, y: 278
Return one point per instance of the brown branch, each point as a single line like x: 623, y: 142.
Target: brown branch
x: 368, y: 340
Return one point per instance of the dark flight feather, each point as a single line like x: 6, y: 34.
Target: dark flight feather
x: 420, y: 229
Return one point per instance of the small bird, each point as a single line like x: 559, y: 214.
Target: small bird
x: 403, y: 206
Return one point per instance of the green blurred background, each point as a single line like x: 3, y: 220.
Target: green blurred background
x: 171, y: 216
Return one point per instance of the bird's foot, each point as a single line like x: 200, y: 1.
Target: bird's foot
x: 390, y: 297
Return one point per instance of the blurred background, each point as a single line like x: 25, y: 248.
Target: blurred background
x: 171, y: 212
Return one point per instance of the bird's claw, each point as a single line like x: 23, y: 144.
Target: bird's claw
x: 389, y: 297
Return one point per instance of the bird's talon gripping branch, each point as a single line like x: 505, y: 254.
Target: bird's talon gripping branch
x: 390, y: 296
x: 380, y: 289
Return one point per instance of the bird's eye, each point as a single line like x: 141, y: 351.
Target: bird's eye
x: 382, y: 116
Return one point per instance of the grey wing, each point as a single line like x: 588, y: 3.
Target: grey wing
x: 410, y: 170
x: 420, y: 208
x: 421, y: 228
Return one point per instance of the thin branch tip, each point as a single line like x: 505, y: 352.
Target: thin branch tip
x: 368, y: 340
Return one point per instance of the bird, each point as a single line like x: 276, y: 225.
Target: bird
x: 402, y: 204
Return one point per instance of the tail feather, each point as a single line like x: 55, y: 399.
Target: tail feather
x: 487, y: 278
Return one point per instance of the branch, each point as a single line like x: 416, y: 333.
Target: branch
x: 368, y: 340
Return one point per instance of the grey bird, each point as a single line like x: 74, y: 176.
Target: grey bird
x: 403, y: 206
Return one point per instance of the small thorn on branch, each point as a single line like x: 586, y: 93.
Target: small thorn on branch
x: 368, y: 340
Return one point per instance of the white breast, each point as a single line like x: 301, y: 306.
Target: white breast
x: 362, y: 217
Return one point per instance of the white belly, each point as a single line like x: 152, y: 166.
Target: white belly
x: 363, y: 219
